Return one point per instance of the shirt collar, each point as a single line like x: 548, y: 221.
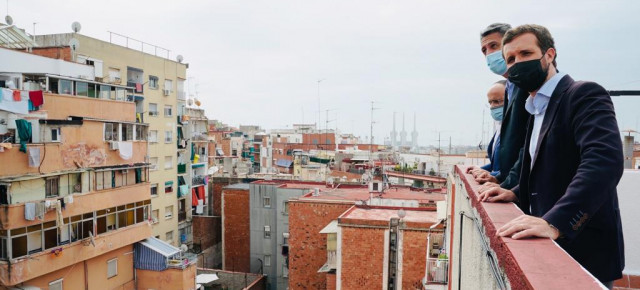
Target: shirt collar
x: 509, y: 85
x: 538, y: 105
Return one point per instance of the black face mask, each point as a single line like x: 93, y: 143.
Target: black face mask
x: 528, y: 75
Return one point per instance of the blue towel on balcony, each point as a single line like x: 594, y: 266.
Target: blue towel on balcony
x: 183, y: 190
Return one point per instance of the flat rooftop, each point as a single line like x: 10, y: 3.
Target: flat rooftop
x: 355, y: 194
x: 364, y: 215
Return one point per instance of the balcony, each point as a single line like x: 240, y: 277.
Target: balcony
x: 61, y: 107
x: 437, y: 271
x: 182, y: 216
x: 182, y: 95
x: 197, y: 180
x: 36, y: 265
x: 478, y: 257
x: 12, y: 216
x: 68, y: 156
x: 182, y: 261
x: 182, y: 168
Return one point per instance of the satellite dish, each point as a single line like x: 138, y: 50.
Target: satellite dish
x: 184, y: 248
x: 190, y: 102
x: 197, y: 102
x: 402, y: 213
x: 8, y: 20
x: 75, y: 26
x: 74, y: 44
x: 179, y: 58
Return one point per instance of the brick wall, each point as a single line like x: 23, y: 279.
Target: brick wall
x: 237, y: 232
x: 54, y: 52
x: 307, y: 247
x: 215, y: 188
x: 331, y: 281
x: 362, y: 258
x: 206, y: 230
x: 414, y: 249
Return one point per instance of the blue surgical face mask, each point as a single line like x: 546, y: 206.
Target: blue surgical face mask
x: 496, y: 113
x: 496, y: 63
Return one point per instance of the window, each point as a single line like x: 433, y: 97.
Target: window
x: 153, y: 136
x: 168, y: 85
x: 65, y: 87
x: 266, y: 201
x: 105, y: 92
x: 141, y: 133
x: 114, y: 75
x: 127, y: 132
x: 168, y: 111
x: 82, y: 89
x: 56, y: 285
x: 55, y: 134
x: 111, y: 132
x: 153, y: 82
x: 169, y: 237
x: 285, y: 207
x: 154, y: 163
x: 168, y: 212
x: 168, y: 162
x: 168, y: 187
x: 285, y: 271
x: 153, y: 109
x: 112, y: 268
x: 51, y: 186
x: 285, y: 238
x: 267, y: 232
x: 168, y: 136
x: 267, y: 260
x: 154, y: 189
x: 154, y: 215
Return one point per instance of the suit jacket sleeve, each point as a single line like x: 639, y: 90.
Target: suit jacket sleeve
x: 598, y: 140
x: 514, y: 173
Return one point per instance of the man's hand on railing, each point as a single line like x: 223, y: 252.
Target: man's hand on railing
x: 487, y: 185
x: 496, y: 194
x: 526, y: 226
x: 485, y: 177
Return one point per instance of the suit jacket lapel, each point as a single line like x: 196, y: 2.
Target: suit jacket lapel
x: 550, y: 113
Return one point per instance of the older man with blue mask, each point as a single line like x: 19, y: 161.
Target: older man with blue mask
x: 495, y: 98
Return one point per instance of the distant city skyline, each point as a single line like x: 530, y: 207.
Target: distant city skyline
x: 260, y: 63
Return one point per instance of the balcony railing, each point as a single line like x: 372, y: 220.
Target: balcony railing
x: 197, y: 180
x: 182, y: 95
x: 478, y: 256
x: 186, y: 260
x: 437, y: 271
x: 182, y: 216
x: 182, y: 168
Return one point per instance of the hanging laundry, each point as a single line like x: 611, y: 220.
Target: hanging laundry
x: 61, y: 201
x: 125, y: 149
x: 34, y: 156
x: 36, y: 98
x: 40, y: 210
x: 59, y: 218
x: 7, y: 94
x: 138, y: 88
x: 29, y: 211
x: 68, y: 199
x: 47, y: 205
x: 194, y: 197
x: 200, y: 207
x: 16, y: 95
x: 183, y: 190
x: 200, y: 190
x: 24, y: 132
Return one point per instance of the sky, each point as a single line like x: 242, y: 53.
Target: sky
x: 259, y: 62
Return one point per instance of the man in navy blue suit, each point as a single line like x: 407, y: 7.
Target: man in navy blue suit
x: 572, y: 159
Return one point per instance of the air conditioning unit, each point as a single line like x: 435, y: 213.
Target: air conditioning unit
x: 166, y: 92
x: 376, y: 186
x: 113, y: 145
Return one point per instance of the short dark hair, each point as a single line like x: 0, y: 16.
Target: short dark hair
x: 542, y: 34
x: 495, y: 27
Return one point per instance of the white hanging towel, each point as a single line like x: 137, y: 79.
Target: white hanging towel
x: 126, y: 150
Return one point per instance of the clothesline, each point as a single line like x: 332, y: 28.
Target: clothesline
x: 20, y: 101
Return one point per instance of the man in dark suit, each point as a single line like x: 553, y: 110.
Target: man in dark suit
x: 514, y: 120
x: 572, y: 159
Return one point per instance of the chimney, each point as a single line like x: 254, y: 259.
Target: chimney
x: 627, y: 148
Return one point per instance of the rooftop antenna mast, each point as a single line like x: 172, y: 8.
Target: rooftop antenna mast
x: 371, y: 139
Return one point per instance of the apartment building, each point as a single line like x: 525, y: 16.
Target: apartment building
x: 74, y: 188
x: 159, y: 100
